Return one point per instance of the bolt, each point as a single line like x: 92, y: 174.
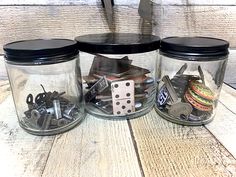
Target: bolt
x: 57, y: 109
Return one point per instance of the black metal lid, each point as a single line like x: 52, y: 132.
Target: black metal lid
x: 117, y: 43
x: 194, y: 48
x: 40, y: 50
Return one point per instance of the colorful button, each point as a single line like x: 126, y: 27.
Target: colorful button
x: 195, y: 104
x: 202, y: 90
x: 199, y: 99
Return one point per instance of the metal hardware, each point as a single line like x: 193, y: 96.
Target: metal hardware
x: 100, y: 85
x: 108, y: 5
x: 49, y: 111
x: 170, y: 89
x: 179, y: 109
x: 57, y: 109
x: 201, y: 74
x: 186, y: 96
x: 138, y: 105
x: 149, y: 80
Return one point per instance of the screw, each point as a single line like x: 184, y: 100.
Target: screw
x: 67, y: 116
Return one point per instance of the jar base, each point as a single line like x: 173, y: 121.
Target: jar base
x: 54, y: 131
x: 125, y: 117
x: 182, y: 122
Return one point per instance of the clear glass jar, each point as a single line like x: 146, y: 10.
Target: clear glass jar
x: 118, y: 73
x: 190, y: 76
x: 46, y: 84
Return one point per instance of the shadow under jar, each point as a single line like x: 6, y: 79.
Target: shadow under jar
x: 190, y: 76
x: 46, y: 84
x: 118, y: 73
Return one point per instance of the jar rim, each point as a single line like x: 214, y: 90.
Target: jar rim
x: 40, y: 50
x: 194, y: 48
x: 117, y: 43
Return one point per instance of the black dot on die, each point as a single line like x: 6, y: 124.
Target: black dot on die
x: 128, y: 94
x: 118, y: 103
x: 128, y: 101
x: 117, y: 96
x: 127, y: 84
x: 116, y: 85
x: 118, y: 112
x: 129, y: 111
x: 123, y: 107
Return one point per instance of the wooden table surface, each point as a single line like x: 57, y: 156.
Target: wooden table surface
x: 147, y: 146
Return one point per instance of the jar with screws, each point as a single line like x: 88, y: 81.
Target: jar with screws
x: 118, y: 72
x: 190, y: 73
x: 46, y: 84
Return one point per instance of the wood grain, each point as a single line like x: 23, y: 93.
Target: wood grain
x: 5, y: 90
x: 233, y: 85
x: 223, y: 126
x: 167, y: 149
x: 65, y: 2
x: 94, y: 148
x: 21, y: 154
x: 28, y: 22
x: 194, y: 2
x: 212, y: 21
x: 117, y: 2
x: 230, y: 75
x: 227, y: 98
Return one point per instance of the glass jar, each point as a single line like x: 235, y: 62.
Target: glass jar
x: 46, y: 84
x: 190, y: 76
x: 118, y: 73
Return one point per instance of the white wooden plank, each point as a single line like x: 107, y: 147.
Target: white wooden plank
x: 29, y: 22
x: 21, y: 154
x: 69, y: 21
x: 117, y: 2
x: 65, y: 2
x: 3, y: 72
x: 223, y: 126
x: 48, y: 2
x: 233, y: 85
x: 195, y: 2
x: 230, y: 74
x: 5, y: 90
x: 211, y: 21
x: 228, y: 98
x: 168, y: 149
x: 95, y: 148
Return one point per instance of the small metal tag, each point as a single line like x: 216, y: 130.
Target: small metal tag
x: 162, y: 96
x: 100, y: 85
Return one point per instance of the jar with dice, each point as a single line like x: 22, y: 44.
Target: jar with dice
x: 118, y: 72
x: 190, y: 76
x: 46, y: 84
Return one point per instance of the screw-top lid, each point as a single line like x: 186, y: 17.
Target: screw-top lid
x: 117, y: 43
x: 194, y: 48
x: 40, y: 50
